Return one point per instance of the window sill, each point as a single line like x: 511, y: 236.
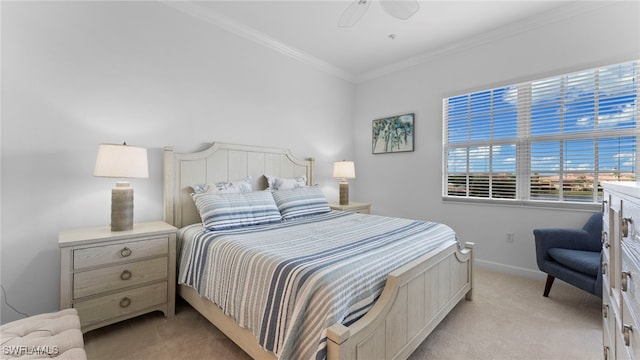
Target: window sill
x: 526, y: 203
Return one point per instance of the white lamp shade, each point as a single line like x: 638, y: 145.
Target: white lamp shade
x: 344, y: 170
x: 121, y: 161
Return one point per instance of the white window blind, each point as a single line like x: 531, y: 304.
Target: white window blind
x: 549, y: 140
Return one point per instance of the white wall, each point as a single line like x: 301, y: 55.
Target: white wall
x: 78, y: 74
x: 409, y: 184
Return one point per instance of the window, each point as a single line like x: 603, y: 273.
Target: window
x: 549, y: 140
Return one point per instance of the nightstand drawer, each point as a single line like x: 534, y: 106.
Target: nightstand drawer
x: 361, y: 211
x: 354, y: 207
x: 113, y: 253
x: 117, y: 277
x: 120, y: 304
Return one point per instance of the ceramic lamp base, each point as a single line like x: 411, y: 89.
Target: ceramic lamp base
x: 344, y: 193
x: 122, y: 207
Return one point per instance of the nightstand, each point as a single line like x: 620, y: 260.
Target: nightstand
x: 112, y: 276
x: 361, y: 208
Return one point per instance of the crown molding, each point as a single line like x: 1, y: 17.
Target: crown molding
x: 552, y: 16
x: 564, y: 12
x: 198, y: 11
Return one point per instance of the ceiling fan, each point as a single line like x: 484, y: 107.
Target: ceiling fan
x: 400, y: 9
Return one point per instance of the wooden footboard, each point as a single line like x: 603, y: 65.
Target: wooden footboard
x: 415, y: 299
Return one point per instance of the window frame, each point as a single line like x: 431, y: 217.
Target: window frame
x: 524, y: 140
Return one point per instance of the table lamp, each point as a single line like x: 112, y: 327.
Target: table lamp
x: 344, y: 170
x: 121, y: 161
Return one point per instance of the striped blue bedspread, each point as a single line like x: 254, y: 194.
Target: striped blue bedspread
x: 288, y: 282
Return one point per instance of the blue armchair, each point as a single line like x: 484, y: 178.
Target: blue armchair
x: 572, y: 255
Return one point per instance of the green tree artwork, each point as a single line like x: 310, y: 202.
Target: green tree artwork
x: 392, y: 134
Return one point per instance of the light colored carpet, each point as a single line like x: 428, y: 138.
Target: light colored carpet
x: 508, y: 319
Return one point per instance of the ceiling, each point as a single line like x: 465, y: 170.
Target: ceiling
x: 309, y: 31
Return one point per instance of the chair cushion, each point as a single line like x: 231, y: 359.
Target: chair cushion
x: 586, y: 262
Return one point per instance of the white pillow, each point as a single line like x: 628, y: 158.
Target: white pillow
x: 277, y: 183
x: 225, y: 187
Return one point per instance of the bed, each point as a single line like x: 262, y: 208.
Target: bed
x: 415, y: 297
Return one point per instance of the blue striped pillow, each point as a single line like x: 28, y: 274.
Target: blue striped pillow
x: 228, y: 211
x: 302, y: 201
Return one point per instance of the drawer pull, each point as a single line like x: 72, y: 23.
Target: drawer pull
x: 605, y: 238
x: 605, y: 311
x: 626, y: 275
x: 604, y: 206
x: 125, y: 302
x: 604, y: 268
x: 626, y: 334
x: 625, y: 226
x: 126, y: 275
x: 125, y: 252
x: 606, y: 353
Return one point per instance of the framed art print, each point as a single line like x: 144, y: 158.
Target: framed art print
x: 392, y: 134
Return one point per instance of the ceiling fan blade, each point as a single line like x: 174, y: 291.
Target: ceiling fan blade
x: 353, y: 13
x: 401, y: 9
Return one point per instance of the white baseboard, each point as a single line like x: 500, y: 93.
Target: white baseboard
x: 510, y: 269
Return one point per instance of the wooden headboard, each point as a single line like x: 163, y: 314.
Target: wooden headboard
x: 222, y: 162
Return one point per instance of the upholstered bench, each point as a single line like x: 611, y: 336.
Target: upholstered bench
x: 52, y: 335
